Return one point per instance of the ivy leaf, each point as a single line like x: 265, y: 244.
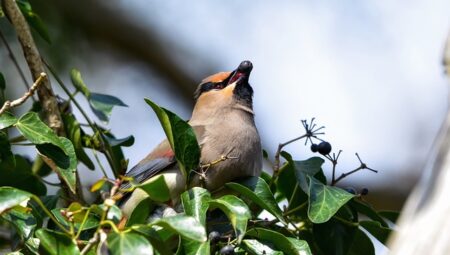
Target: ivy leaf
x: 33, y: 19
x: 56, y: 243
x: 73, y: 131
x: 237, y: 212
x: 361, y: 244
x: 22, y: 220
x: 324, y: 200
x: 186, y: 226
x: 7, y: 159
x: 11, y: 197
x: 304, y: 168
x: 366, y: 209
x: 181, y: 137
x: 377, y: 230
x: 255, y: 247
x: 7, y: 120
x: 195, y: 203
x: 125, y: 142
x: 287, y: 245
x: 259, y: 192
x: 390, y: 215
x: 156, y: 188
x: 194, y: 248
x: 78, y: 83
x: 128, y: 243
x: 79, y: 214
x: 102, y: 105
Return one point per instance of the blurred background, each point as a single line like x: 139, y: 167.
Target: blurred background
x: 369, y: 71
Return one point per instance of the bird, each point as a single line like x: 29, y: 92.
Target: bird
x: 224, y: 124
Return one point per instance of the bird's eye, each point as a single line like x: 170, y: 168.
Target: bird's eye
x: 218, y: 86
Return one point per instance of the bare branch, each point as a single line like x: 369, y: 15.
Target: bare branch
x: 9, y: 104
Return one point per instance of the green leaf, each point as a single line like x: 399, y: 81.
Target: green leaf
x: 255, y: 247
x: 361, y: 244
x: 73, y: 131
x: 155, y: 239
x: 259, y: 192
x: 186, y: 226
x: 102, y: 105
x: 37, y: 131
x: 141, y: 212
x: 195, y: 203
x: 11, y: 197
x: 128, y: 243
x: 78, y: 83
x: 287, y: 183
x: 377, y: 230
x: 7, y: 159
x: 194, y: 248
x: 20, y: 176
x: 237, y: 212
x: 22, y: 220
x: 390, y: 215
x: 334, y: 237
x: 58, y: 162
x: 304, y: 168
x: 156, y: 188
x: 287, y: 245
x: 366, y: 209
x: 2, y: 78
x: 33, y: 19
x: 56, y: 243
x: 91, y: 222
x: 125, y: 142
x: 181, y: 137
x: 7, y: 120
x: 324, y: 200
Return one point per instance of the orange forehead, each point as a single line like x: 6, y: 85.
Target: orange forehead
x: 218, y: 77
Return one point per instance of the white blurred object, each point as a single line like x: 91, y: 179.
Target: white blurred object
x: 424, y: 225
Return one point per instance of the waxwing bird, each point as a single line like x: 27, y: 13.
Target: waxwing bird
x: 223, y: 121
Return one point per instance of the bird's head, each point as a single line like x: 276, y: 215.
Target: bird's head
x: 226, y: 88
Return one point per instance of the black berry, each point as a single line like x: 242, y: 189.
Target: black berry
x: 227, y: 250
x: 324, y: 148
x: 214, y: 237
x: 350, y: 190
x: 364, y: 191
x: 314, y: 147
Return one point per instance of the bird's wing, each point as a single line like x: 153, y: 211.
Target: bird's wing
x: 158, y: 160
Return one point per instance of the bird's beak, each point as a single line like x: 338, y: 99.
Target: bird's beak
x: 242, y: 73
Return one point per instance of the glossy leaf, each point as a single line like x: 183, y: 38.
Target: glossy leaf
x: 304, y: 168
x: 181, y: 137
x: 287, y: 182
x: 73, y: 131
x: 334, y: 237
x: 33, y: 19
x: 237, y: 212
x: 186, y: 226
x: 156, y: 188
x: 56, y: 243
x: 259, y: 192
x: 390, y: 215
x: 125, y: 142
x: 195, y: 203
x: 7, y: 120
x: 91, y: 222
x: 128, y: 243
x: 366, y: 209
x: 11, y: 197
x: 190, y: 247
x: 55, y: 161
x: 155, y: 239
x: 255, y: 247
x: 78, y: 83
x: 324, y: 200
x: 361, y: 244
x: 377, y: 230
x: 287, y: 245
x: 141, y: 212
x: 22, y: 220
x: 36, y: 131
x: 102, y: 105
x: 98, y: 185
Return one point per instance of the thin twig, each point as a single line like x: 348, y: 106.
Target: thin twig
x: 9, y: 104
x: 361, y: 167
